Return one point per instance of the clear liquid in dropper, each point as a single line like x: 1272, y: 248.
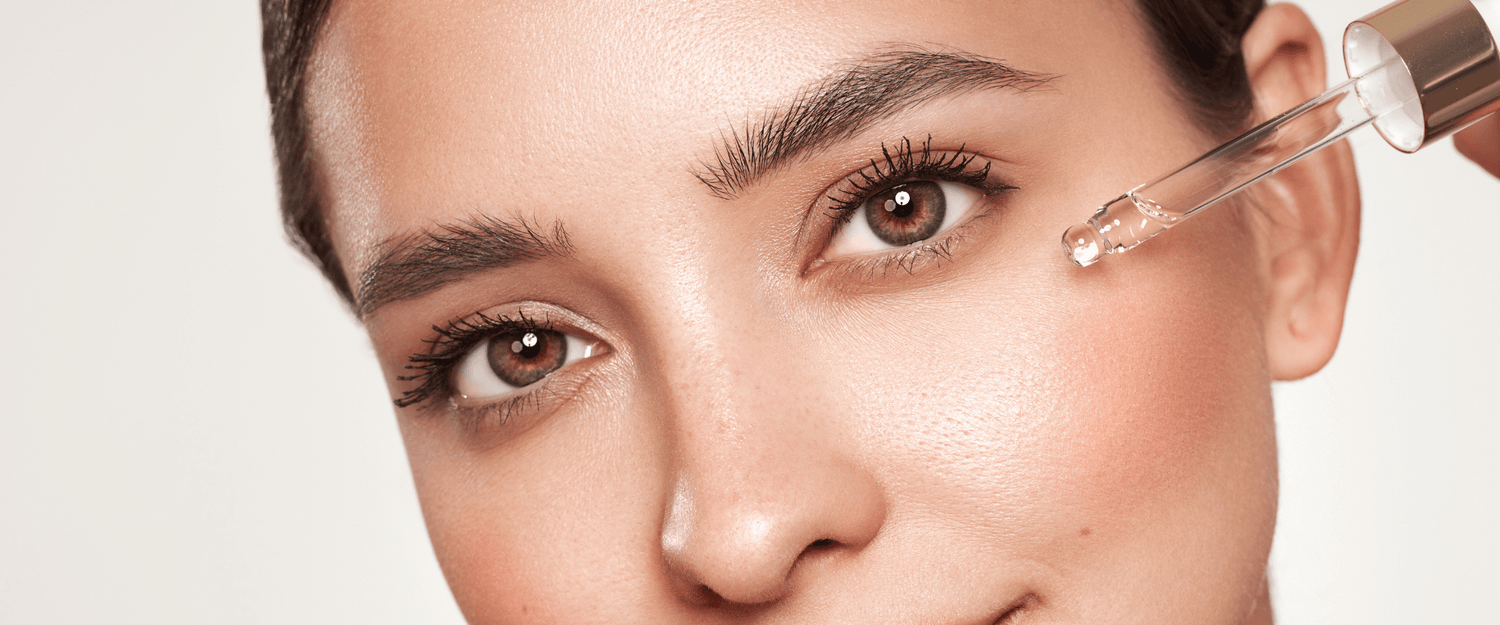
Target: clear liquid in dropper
x: 1128, y: 218
x: 1151, y: 208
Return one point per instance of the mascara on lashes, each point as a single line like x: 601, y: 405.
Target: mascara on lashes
x: 433, y: 370
x: 900, y: 166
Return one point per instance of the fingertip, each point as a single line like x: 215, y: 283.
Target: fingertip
x: 1481, y: 143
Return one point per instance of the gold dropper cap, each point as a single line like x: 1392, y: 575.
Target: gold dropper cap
x: 1450, y: 55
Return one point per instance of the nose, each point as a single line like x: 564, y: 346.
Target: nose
x: 763, y: 496
x: 739, y: 535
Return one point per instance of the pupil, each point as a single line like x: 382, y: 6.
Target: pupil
x: 521, y: 358
x: 901, y: 206
x: 912, y: 212
x: 527, y: 347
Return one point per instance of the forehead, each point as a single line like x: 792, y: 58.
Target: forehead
x: 421, y: 109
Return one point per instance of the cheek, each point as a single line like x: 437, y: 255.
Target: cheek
x: 513, y: 526
x: 1167, y: 385
x: 1030, y: 415
x: 1165, y: 395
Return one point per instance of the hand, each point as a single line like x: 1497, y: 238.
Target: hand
x: 1481, y: 143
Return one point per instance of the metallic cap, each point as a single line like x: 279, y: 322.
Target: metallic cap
x: 1450, y: 55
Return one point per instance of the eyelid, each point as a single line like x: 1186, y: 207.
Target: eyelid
x: 476, y: 361
x: 904, y: 165
x: 851, y: 227
x: 431, y: 370
x: 959, y: 165
x: 514, y: 412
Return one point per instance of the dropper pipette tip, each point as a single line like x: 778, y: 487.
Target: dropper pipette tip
x: 1083, y: 244
x: 1419, y: 71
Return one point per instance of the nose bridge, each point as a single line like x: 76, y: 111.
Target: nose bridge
x: 762, y: 475
x: 739, y: 397
x: 719, y: 350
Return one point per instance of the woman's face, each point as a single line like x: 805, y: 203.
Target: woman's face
x: 756, y: 312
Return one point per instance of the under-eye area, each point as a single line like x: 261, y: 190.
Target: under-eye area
x: 907, y: 208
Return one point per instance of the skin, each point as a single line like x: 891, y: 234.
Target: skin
x: 771, y: 436
x: 1481, y: 143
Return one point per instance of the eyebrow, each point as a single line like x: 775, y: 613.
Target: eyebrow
x: 427, y: 261
x: 833, y: 109
x: 847, y: 102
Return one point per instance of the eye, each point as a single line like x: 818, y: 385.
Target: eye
x: 512, y: 360
x: 902, y: 215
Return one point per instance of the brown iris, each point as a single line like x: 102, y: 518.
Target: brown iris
x: 522, y: 357
x: 906, y: 213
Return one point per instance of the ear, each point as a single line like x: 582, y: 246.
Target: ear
x: 1309, y: 222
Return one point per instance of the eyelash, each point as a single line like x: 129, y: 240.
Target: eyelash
x: 901, y: 166
x: 433, y: 370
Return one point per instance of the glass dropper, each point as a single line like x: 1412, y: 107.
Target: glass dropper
x: 1421, y: 69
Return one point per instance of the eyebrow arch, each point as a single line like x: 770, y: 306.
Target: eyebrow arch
x: 847, y: 102
x: 424, y: 262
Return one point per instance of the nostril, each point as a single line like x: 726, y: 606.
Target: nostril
x: 704, y: 596
x: 726, y: 542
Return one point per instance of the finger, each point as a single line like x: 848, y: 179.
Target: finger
x: 1481, y: 143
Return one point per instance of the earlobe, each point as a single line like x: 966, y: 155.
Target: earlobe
x: 1309, y: 212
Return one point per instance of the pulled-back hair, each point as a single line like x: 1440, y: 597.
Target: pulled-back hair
x: 1199, y: 46
x: 288, y: 30
x: 1198, y: 43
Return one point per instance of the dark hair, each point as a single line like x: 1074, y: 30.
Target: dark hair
x: 1198, y: 44
x: 288, y: 30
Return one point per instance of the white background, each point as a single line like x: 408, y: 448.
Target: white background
x: 193, y: 431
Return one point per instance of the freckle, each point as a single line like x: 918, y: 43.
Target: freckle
x: 1085, y: 532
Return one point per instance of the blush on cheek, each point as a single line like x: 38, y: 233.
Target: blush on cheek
x: 1168, y: 394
